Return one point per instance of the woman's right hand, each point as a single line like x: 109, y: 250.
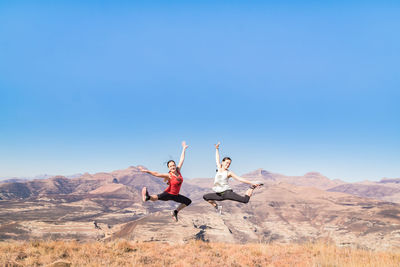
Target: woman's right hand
x: 143, y: 170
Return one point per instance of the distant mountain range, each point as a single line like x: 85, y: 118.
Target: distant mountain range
x: 40, y: 176
x: 388, y: 189
x: 286, y: 209
x: 312, y: 179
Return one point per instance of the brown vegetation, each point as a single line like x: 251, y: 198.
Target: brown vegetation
x: 194, y: 253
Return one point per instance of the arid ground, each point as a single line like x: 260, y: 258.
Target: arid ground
x: 194, y: 253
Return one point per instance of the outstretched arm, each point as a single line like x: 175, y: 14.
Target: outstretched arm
x: 182, y: 159
x: 156, y: 174
x: 217, y: 156
x: 240, y: 179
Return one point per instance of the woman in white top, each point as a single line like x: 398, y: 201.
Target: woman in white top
x: 221, y: 187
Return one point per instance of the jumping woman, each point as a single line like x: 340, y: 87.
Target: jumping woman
x: 221, y: 187
x: 174, y: 180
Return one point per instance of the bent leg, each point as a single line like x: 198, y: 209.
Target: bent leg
x: 180, y: 207
x: 182, y: 199
x: 212, y: 197
x: 185, y: 201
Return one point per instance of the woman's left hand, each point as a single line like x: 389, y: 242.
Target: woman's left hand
x: 184, y: 145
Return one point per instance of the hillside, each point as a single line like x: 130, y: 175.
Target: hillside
x: 281, y: 212
x: 386, y: 189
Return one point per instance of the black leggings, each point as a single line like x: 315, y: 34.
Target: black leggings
x: 164, y: 196
x: 226, y: 195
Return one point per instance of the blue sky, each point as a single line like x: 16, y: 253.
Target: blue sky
x: 290, y: 87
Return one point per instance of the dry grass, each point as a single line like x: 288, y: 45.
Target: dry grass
x: 196, y: 253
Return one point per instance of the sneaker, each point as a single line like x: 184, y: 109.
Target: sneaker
x: 145, y: 194
x: 216, y: 207
x: 219, y: 209
x: 174, y: 215
x: 256, y: 184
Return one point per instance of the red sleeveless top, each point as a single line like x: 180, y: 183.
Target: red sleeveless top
x: 175, y: 183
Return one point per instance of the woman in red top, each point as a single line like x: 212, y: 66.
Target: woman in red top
x: 174, y: 179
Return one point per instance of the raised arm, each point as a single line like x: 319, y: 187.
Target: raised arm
x: 156, y: 174
x: 217, y: 156
x: 240, y: 179
x: 182, y: 159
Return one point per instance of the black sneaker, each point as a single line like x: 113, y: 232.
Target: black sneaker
x: 257, y: 184
x: 145, y: 194
x: 175, y: 215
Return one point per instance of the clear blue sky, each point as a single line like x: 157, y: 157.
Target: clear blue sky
x: 290, y: 87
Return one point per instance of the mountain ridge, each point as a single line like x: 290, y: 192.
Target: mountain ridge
x: 108, y: 205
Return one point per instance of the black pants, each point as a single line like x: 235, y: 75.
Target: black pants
x: 164, y: 196
x: 226, y: 195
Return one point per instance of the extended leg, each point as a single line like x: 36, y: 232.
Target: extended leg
x: 147, y: 197
x: 236, y: 197
x: 153, y: 197
x: 249, y: 192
